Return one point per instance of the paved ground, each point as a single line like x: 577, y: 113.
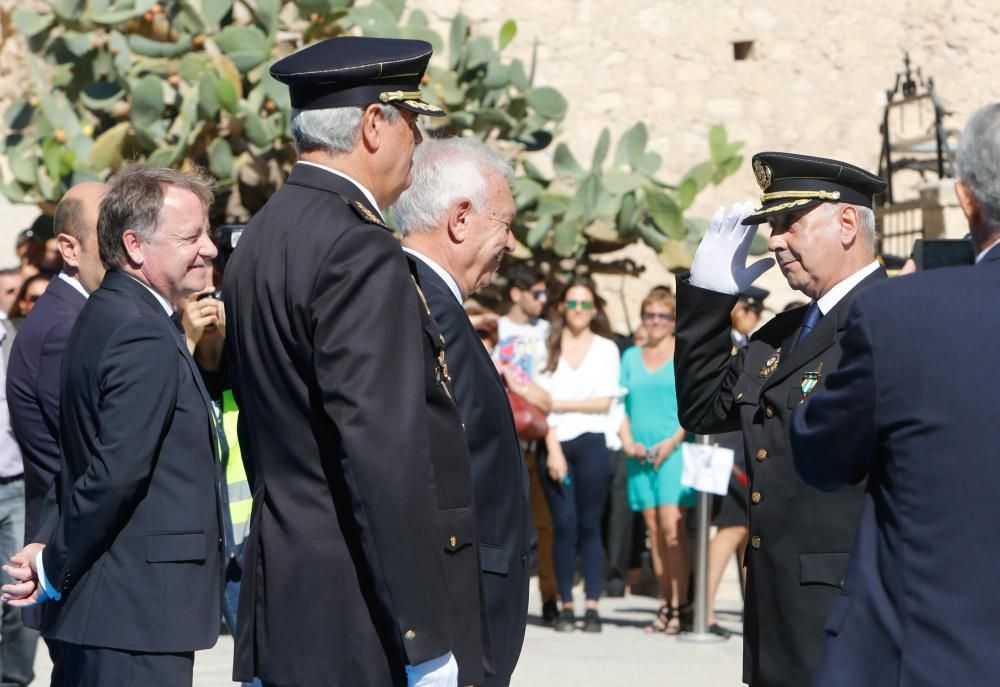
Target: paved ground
x: 621, y: 656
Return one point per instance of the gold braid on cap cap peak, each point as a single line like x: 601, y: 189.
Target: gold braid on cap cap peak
x: 782, y: 195
x: 392, y: 96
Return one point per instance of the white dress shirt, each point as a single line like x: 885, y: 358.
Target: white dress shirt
x: 439, y: 271
x: 75, y: 283
x: 984, y: 251
x: 834, y: 295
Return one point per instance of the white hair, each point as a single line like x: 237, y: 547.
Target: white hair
x: 866, y: 223
x: 444, y: 171
x: 979, y: 162
x: 334, y: 130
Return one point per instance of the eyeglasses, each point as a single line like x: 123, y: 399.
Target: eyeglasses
x: 539, y: 294
x: 582, y: 305
x: 659, y: 316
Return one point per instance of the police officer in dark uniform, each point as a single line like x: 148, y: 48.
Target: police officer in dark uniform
x: 361, y: 563
x: 823, y: 239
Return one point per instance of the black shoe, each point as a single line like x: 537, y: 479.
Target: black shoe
x: 686, y: 615
x: 591, y: 621
x: 615, y: 588
x: 550, y: 611
x: 717, y: 629
x: 566, y: 622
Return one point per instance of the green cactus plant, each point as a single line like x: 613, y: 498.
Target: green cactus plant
x: 182, y: 82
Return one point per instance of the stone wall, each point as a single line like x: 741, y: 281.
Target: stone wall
x: 814, y: 81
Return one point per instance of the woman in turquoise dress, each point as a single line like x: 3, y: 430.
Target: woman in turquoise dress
x: 652, y: 437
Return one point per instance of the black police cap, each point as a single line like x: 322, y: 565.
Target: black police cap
x: 357, y: 71
x: 791, y: 183
x: 754, y: 297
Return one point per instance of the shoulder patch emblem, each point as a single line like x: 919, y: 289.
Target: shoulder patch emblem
x: 366, y: 214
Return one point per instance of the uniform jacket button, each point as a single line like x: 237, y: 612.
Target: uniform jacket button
x: 769, y: 411
x: 410, y: 635
x: 761, y: 454
x: 453, y: 541
x: 739, y: 396
x: 755, y: 542
x: 755, y: 497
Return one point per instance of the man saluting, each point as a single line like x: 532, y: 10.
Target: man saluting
x: 823, y: 238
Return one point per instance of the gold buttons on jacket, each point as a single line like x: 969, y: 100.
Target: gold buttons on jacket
x: 761, y: 454
x: 453, y: 541
x: 769, y: 411
x: 755, y: 542
x: 755, y: 497
x: 410, y: 635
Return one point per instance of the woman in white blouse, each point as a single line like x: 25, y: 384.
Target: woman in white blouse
x: 582, y: 376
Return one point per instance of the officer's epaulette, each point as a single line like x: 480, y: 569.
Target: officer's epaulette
x: 365, y: 213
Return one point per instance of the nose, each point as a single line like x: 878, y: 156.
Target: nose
x: 208, y: 249
x: 776, y: 241
x: 509, y: 244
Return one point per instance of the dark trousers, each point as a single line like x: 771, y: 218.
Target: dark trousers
x: 89, y: 666
x: 576, y: 513
x: 619, y: 523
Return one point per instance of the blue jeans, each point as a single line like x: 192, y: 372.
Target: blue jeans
x: 576, y: 513
x: 17, y: 642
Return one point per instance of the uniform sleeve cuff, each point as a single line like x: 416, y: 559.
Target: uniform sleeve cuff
x: 48, y: 589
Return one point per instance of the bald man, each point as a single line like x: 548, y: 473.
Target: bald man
x: 33, y: 380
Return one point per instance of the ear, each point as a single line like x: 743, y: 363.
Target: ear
x: 459, y: 219
x: 850, y: 225
x: 968, y: 203
x: 372, y: 122
x: 133, y: 247
x: 69, y: 248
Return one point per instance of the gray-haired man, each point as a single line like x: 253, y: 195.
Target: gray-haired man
x: 455, y: 220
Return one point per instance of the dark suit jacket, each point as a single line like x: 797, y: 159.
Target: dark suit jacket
x: 914, y: 406
x: 33, y: 397
x: 345, y: 577
x: 498, y: 474
x: 800, y: 537
x: 136, y: 550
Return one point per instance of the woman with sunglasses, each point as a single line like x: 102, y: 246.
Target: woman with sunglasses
x: 581, y: 376
x: 31, y: 290
x: 652, y: 436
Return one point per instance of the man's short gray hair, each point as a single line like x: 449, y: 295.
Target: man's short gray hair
x: 333, y: 130
x: 979, y: 162
x: 444, y: 171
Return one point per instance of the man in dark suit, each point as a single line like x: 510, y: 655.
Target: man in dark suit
x: 455, y: 220
x: 132, y: 570
x: 912, y: 408
x: 823, y: 236
x: 361, y: 563
x: 33, y: 384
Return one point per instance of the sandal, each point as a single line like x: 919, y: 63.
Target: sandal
x: 662, y: 620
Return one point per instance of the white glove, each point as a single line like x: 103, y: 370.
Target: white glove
x: 720, y: 263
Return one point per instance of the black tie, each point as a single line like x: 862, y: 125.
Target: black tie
x: 813, y: 316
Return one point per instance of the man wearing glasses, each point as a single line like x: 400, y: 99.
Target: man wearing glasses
x: 521, y: 337
x: 823, y: 239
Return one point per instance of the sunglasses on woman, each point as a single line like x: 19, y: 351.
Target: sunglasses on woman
x: 582, y: 305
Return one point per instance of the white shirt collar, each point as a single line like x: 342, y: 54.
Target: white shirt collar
x: 982, y: 253
x: 163, y: 301
x: 361, y: 187
x: 440, y: 271
x: 833, y: 296
x: 75, y: 283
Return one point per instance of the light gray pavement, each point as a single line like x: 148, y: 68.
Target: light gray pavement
x: 621, y: 656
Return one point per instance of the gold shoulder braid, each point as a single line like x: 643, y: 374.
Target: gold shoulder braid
x: 441, y: 376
